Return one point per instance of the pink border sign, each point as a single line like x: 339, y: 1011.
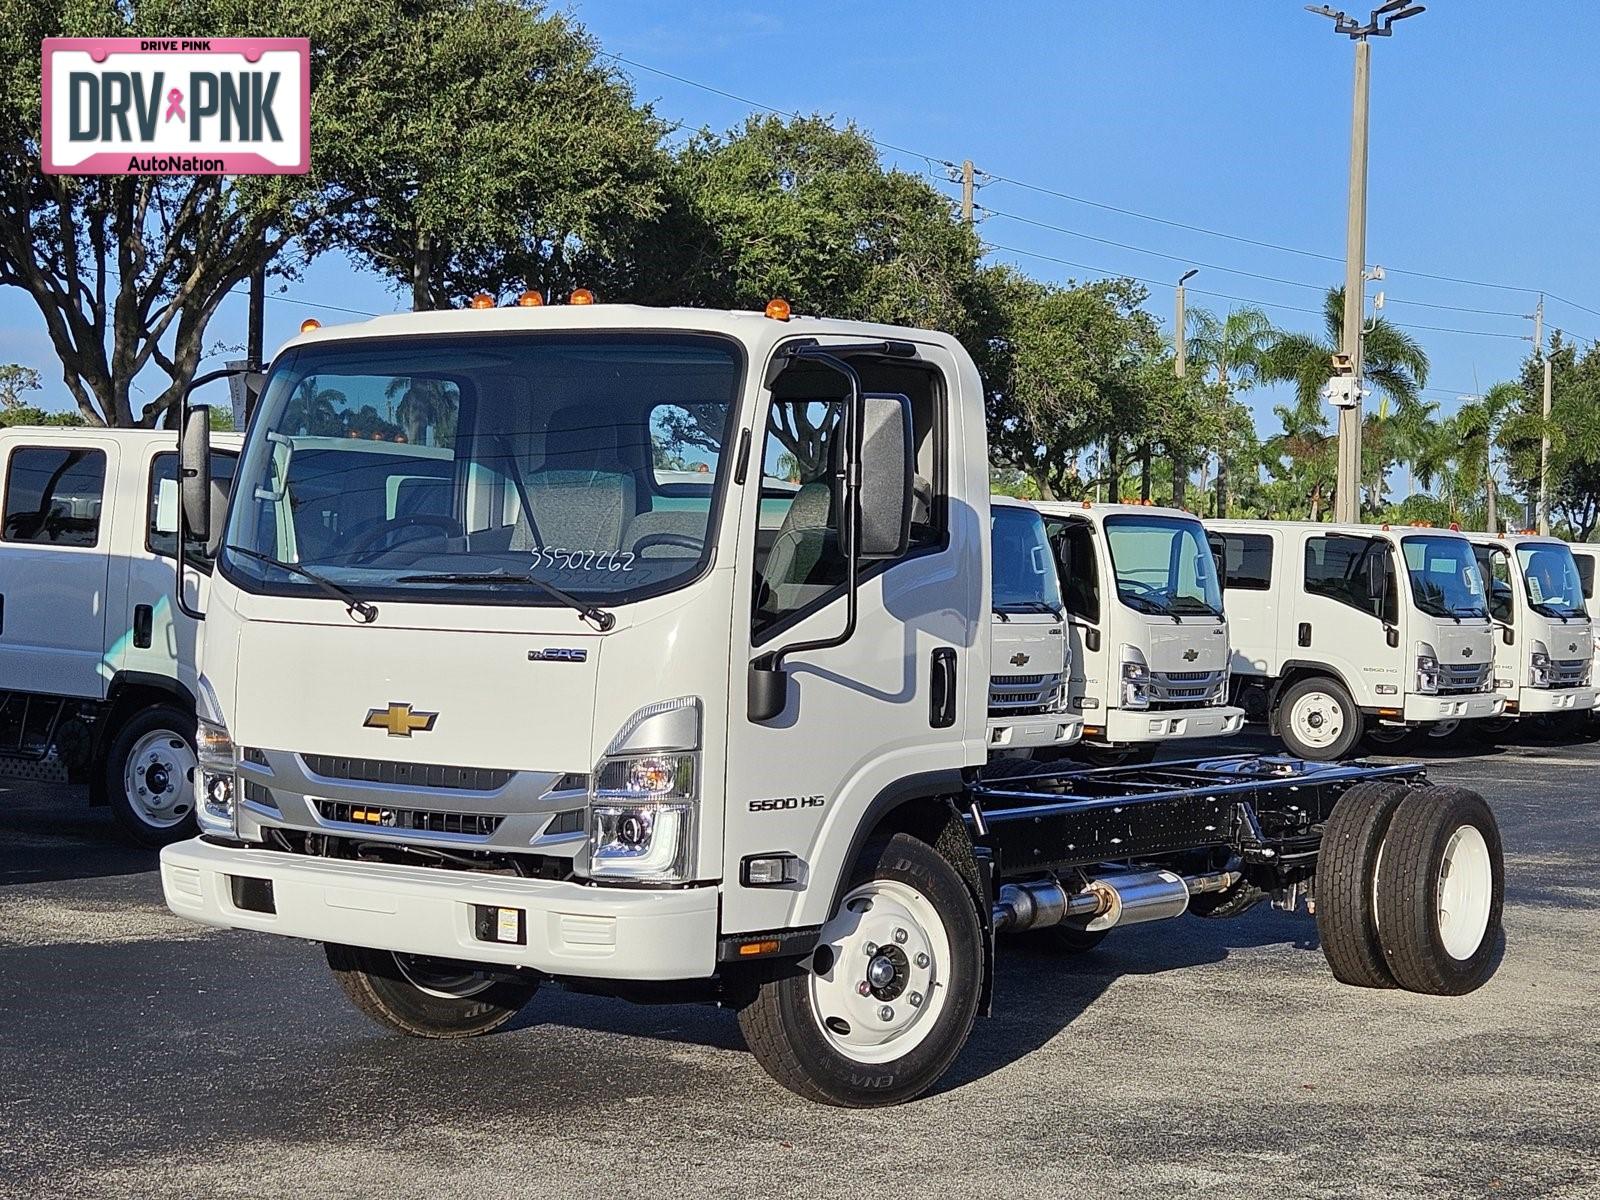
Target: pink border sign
x: 145, y: 158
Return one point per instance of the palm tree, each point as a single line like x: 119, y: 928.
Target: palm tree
x: 1477, y: 430
x: 1232, y: 354
x: 1392, y: 362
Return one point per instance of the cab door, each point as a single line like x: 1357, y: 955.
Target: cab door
x: 55, y: 542
x: 1078, y: 562
x: 903, y: 700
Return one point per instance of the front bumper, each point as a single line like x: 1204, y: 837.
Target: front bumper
x: 1031, y: 732
x: 571, y: 929
x: 1555, y: 700
x: 1127, y: 725
x: 1420, y: 709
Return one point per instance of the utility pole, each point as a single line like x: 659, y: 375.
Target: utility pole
x: 1544, y: 456
x: 966, y: 192
x: 1180, y: 367
x: 1347, y: 494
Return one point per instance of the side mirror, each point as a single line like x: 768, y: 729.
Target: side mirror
x: 888, y: 460
x: 194, y: 471
x: 1508, y: 635
x: 1221, y: 561
x: 1377, y: 581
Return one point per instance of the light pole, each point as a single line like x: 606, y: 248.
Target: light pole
x: 1180, y: 367
x: 1347, y: 494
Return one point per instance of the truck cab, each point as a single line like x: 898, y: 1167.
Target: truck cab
x: 98, y: 666
x: 1344, y: 630
x: 1028, y: 690
x: 1148, y: 639
x: 1544, y: 654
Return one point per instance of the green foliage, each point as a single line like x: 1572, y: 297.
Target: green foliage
x: 1573, y: 429
x: 15, y: 382
x: 27, y: 414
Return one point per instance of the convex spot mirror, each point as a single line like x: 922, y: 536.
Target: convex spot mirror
x: 888, y: 463
x: 194, y: 471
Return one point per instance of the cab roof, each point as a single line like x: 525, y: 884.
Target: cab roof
x: 1368, y: 529
x: 76, y: 434
x: 1067, y: 508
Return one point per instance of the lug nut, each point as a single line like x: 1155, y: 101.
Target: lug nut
x: 886, y: 1013
x: 922, y: 961
x: 900, y: 936
x: 863, y: 988
x: 914, y: 999
x: 871, y: 948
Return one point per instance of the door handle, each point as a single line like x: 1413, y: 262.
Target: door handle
x: 2, y: 613
x: 142, y: 620
x: 1304, y: 633
x: 942, y: 689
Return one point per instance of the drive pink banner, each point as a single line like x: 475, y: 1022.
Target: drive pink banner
x: 176, y: 106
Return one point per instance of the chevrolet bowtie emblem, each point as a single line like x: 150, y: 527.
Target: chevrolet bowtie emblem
x: 1467, y: 653
x: 1018, y: 659
x: 399, y: 721
x: 1190, y: 654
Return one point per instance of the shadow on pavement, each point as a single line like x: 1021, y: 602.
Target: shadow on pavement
x: 48, y: 833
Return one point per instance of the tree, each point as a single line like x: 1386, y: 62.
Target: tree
x: 499, y: 154
x: 127, y: 271
x: 1393, y: 364
x: 1573, y: 429
x: 15, y: 382
x: 1231, y: 354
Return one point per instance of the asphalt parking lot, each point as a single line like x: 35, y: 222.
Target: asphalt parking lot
x: 141, y: 1056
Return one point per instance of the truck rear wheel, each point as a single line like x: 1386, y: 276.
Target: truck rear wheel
x: 148, y: 775
x: 1442, y: 892
x: 1317, y: 719
x: 879, y: 1011
x: 1347, y: 882
x: 427, y: 997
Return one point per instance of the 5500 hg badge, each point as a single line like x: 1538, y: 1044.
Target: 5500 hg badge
x: 783, y: 803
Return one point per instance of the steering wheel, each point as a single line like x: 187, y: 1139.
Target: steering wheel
x: 1143, y: 588
x: 682, y: 540
x: 363, y: 547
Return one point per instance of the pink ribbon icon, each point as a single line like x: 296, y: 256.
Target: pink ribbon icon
x: 175, y: 105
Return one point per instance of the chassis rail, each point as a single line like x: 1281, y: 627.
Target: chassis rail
x: 1268, y: 810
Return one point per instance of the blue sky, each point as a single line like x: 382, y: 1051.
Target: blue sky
x: 1227, y: 116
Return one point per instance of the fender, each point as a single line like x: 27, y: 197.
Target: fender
x: 1294, y: 667
x: 124, y: 683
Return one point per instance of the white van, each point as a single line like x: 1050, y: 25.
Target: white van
x: 1343, y: 629
x: 97, y: 666
x: 1544, y: 656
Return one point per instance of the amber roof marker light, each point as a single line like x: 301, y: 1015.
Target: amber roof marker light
x: 309, y: 324
x: 481, y: 300
x: 581, y: 296
x: 530, y: 299
x: 778, y: 308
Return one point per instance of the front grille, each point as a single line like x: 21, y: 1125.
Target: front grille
x: 404, y: 774
x: 1184, y: 689
x: 258, y: 795
x: 1020, y: 695
x: 413, y: 819
x: 1458, y: 678
x: 1568, y: 672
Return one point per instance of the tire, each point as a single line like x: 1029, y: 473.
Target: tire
x: 1127, y: 754
x: 1441, y: 892
x: 426, y: 997
x: 1067, y: 938
x: 147, y: 775
x: 1347, y: 872
x: 1388, y: 739
x: 1317, y: 719
x: 815, y: 1025
x: 1234, y: 902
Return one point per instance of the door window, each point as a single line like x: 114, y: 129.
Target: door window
x: 53, y: 496
x: 1343, y: 568
x: 799, y: 553
x: 161, y: 532
x: 1080, y: 576
x: 1246, y: 560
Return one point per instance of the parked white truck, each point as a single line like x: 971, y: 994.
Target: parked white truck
x: 1544, y: 654
x: 1345, y: 630
x: 97, y: 665
x: 1028, y: 708
x: 542, y: 711
x: 1148, y: 637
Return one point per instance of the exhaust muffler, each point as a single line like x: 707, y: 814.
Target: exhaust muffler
x: 1124, y: 898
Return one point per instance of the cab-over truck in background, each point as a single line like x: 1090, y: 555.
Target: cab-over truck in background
x: 581, y: 720
x: 97, y: 664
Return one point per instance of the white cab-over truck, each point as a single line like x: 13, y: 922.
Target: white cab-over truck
x: 1345, y: 630
x: 514, y: 702
x: 1544, y: 654
x: 1028, y: 708
x: 97, y: 665
x: 1586, y: 555
x: 1148, y: 639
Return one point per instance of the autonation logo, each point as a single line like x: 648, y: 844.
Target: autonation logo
x: 168, y: 106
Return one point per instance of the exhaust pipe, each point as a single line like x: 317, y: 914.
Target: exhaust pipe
x: 1121, y: 899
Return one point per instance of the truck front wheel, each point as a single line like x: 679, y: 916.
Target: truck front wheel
x: 427, y: 997
x: 878, y: 1012
x: 148, y: 775
x: 1318, y: 720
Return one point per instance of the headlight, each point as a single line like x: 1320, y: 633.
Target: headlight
x: 1427, y: 669
x: 645, y: 798
x: 1135, y: 678
x: 1539, y: 665
x: 214, y: 808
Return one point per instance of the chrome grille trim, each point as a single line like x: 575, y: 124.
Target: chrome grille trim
x: 1460, y: 678
x: 406, y: 774
x: 403, y: 820
x: 1567, y: 672
x: 1021, y: 695
x: 1186, y: 689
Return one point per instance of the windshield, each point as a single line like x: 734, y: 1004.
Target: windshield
x: 1024, y: 573
x: 1163, y: 564
x: 1445, y: 581
x: 443, y: 468
x: 1551, y: 577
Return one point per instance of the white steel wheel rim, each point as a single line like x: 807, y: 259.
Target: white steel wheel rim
x: 868, y: 1011
x: 437, y: 977
x: 1466, y: 888
x: 1317, y: 719
x: 1443, y: 729
x: 158, y: 779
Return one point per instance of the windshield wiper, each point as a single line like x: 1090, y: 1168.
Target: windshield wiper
x: 1545, y: 609
x: 598, y: 617
x: 1034, y: 606
x: 353, y: 603
x: 1152, y: 605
